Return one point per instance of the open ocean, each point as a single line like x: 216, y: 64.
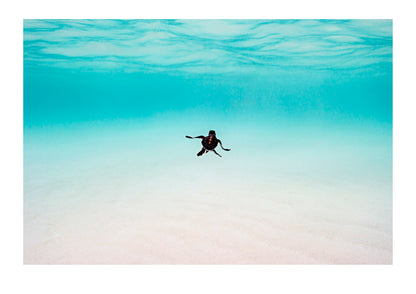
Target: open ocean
x: 304, y: 105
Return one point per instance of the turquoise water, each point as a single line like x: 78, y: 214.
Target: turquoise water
x: 305, y: 106
x: 83, y: 70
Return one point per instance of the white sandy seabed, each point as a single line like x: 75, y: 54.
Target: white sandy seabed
x: 109, y: 200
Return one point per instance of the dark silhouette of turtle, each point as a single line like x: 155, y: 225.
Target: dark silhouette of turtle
x: 209, y: 142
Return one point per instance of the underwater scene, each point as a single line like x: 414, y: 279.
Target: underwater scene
x: 304, y: 107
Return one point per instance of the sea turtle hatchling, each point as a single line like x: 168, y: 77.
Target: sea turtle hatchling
x: 209, y: 143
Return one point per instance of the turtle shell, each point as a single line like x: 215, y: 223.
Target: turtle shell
x: 210, y: 142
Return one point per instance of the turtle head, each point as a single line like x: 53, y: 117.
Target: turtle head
x: 212, y: 132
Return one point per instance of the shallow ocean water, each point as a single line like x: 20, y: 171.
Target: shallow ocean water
x: 305, y: 106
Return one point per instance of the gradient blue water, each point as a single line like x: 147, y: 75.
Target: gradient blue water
x: 305, y: 99
x: 104, y: 69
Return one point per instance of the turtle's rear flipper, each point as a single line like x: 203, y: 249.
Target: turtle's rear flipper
x: 201, y: 152
x: 216, y: 153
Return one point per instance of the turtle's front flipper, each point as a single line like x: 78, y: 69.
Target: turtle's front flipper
x: 198, y: 137
x: 216, y: 152
x: 219, y: 141
x: 201, y: 152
